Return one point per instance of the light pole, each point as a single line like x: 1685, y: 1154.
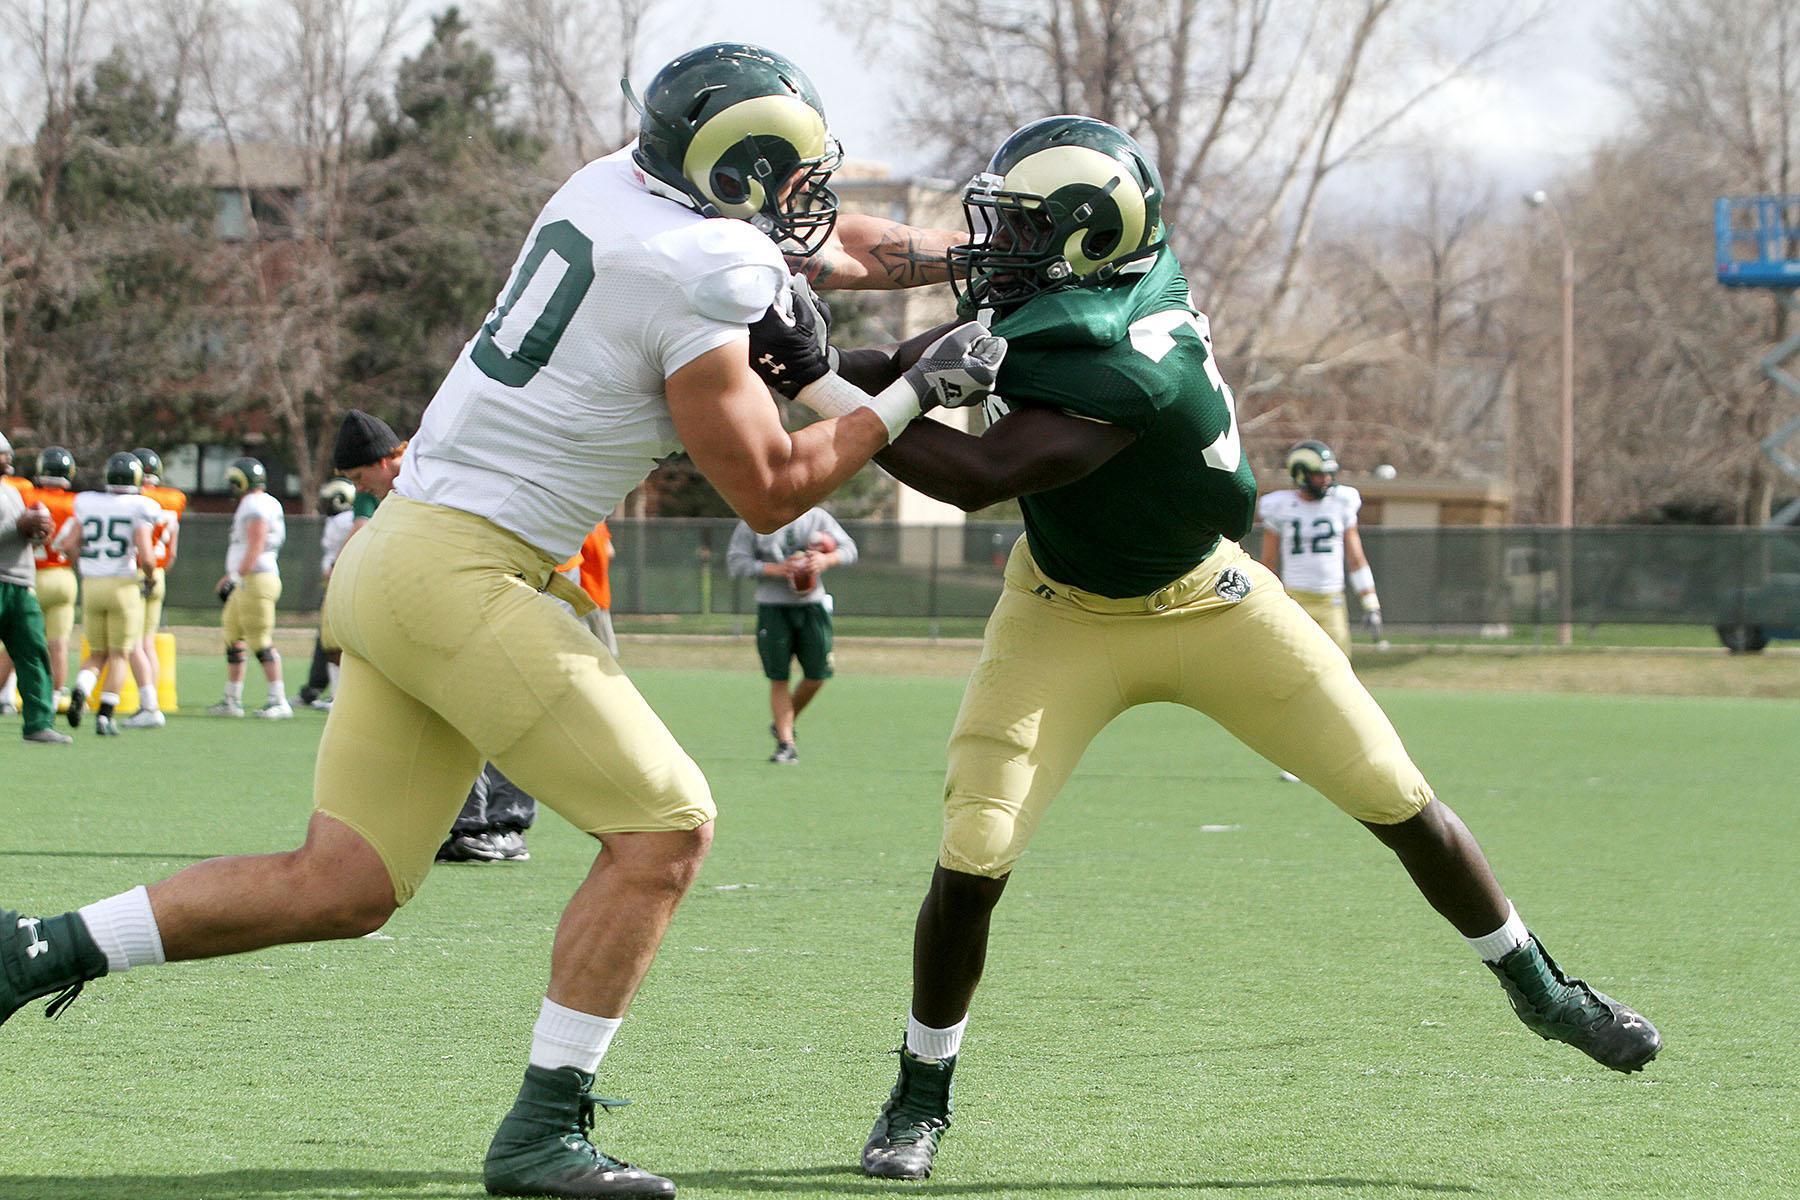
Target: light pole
x: 1565, y: 500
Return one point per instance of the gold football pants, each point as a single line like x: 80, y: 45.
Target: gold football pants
x: 249, y: 615
x: 1327, y: 608
x: 112, y: 611
x: 1057, y: 664
x: 56, y: 591
x: 454, y: 655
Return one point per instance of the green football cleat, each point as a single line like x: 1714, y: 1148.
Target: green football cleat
x: 1558, y: 1008
x: 543, y: 1149
x: 912, y: 1122
x: 41, y: 955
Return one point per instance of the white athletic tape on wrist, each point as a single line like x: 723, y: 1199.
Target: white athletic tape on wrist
x: 1363, y: 580
x: 834, y: 396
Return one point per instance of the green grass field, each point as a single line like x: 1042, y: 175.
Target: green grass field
x: 1204, y: 983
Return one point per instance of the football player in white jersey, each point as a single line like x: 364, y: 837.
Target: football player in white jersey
x: 249, y: 588
x: 1310, y: 537
x: 110, y: 540
x: 626, y: 330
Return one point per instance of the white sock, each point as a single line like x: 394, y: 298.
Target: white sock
x: 1503, y: 941
x: 85, y: 680
x: 331, y: 673
x: 925, y: 1042
x: 234, y: 692
x: 109, y: 699
x: 147, y: 699
x: 566, y: 1038
x: 6, y: 689
x: 125, y: 930
x: 276, y: 694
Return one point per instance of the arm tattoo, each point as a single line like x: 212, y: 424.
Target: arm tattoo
x: 906, y: 259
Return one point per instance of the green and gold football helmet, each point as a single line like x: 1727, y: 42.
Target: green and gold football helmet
x: 1065, y: 202
x: 739, y: 131
x: 336, y: 495
x: 56, y: 465
x: 123, y: 470
x: 1313, y: 468
x: 245, y: 475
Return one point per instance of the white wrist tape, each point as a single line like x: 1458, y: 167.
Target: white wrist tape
x: 1363, y: 580
x: 834, y: 396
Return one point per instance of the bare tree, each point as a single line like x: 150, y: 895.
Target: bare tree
x: 569, y: 56
x: 297, y: 77
x: 1717, y: 84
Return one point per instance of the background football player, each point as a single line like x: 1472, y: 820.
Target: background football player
x: 110, y: 536
x: 146, y: 663
x: 250, y: 588
x: 793, y: 610
x: 22, y: 524
x: 635, y: 342
x: 1117, y: 433
x: 1310, y: 539
x: 337, y: 497
x: 56, y: 587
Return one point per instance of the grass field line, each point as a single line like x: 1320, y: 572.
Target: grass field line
x: 1647, y: 671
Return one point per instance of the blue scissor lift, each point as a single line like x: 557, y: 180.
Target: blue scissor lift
x: 1757, y: 245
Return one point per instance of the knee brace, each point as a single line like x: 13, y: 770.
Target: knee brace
x: 234, y: 655
x: 267, y: 655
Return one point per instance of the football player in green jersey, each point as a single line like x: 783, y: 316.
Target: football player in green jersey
x: 1115, y: 430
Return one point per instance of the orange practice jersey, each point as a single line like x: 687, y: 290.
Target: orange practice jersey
x: 62, y: 510
x: 23, y: 486
x: 174, y: 503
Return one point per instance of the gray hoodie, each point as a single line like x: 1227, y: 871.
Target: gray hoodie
x: 16, y: 564
x: 749, y: 550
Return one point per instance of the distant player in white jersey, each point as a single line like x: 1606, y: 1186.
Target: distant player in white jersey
x: 1310, y: 538
x: 110, y: 541
x: 249, y: 589
x: 627, y: 330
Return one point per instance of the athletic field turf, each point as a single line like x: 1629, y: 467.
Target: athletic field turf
x: 1205, y: 982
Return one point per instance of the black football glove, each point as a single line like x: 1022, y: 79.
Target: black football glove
x: 147, y: 586
x: 225, y: 590
x: 787, y: 344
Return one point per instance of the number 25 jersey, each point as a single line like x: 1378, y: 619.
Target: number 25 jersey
x: 109, y: 524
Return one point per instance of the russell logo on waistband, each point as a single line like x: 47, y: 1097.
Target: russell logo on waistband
x: 1233, y: 585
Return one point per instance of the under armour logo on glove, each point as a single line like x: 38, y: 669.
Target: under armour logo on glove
x: 787, y: 344
x: 37, y: 945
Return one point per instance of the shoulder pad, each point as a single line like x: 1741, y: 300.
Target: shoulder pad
x: 727, y: 270
x: 1349, y: 495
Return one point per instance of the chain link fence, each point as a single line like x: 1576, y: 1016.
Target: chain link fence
x: 1450, y: 578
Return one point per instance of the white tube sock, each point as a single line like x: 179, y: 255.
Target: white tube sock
x: 925, y: 1042
x: 124, y: 929
x: 1503, y: 941
x: 566, y: 1038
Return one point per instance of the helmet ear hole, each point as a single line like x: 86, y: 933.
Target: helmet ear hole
x: 728, y: 185
x: 1099, y: 243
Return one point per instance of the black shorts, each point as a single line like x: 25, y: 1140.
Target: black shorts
x: 785, y: 632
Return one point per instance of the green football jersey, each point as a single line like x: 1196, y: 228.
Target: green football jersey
x: 1134, y: 354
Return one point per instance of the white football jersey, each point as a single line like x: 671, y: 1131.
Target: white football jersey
x: 1312, y: 535
x: 109, y: 523
x: 555, y: 409
x: 338, y: 528
x: 251, y: 507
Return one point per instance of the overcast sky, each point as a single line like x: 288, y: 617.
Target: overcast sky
x: 1533, y: 115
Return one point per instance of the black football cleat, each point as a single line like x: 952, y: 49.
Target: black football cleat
x: 543, y: 1147
x: 44, y: 955
x: 912, y: 1122
x: 1558, y: 1008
